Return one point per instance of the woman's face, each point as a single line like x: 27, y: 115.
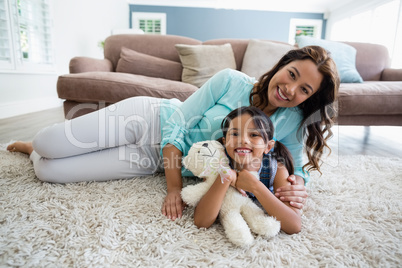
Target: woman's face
x: 293, y: 84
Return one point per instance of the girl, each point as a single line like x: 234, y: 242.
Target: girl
x: 143, y: 135
x: 262, y: 166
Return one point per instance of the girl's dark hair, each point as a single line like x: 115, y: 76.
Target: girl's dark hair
x: 266, y: 129
x: 318, y: 110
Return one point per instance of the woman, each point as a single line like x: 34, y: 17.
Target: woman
x: 127, y: 139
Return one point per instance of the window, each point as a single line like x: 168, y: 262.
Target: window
x: 305, y: 27
x: 375, y: 24
x: 150, y: 23
x: 6, y: 59
x: 26, y: 39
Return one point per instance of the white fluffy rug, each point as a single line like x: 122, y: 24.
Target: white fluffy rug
x: 353, y: 218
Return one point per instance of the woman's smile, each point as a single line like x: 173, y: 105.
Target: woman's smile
x: 281, y: 95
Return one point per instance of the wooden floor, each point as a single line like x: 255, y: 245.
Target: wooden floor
x: 24, y: 127
x: 347, y: 140
x: 374, y: 140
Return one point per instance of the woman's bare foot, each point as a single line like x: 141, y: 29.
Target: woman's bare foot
x: 21, y: 146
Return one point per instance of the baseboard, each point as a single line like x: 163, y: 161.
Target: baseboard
x: 24, y: 107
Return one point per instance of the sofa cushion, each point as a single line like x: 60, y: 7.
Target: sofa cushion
x: 135, y: 62
x: 239, y: 47
x: 87, y: 64
x: 343, y: 55
x: 261, y: 56
x: 371, y: 60
x: 113, y: 87
x: 370, y: 120
x: 370, y: 98
x: 161, y: 46
x: 201, y: 62
x: 390, y: 74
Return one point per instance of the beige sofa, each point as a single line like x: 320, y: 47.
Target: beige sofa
x: 95, y: 83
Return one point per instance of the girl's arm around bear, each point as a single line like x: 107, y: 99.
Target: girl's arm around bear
x: 289, y: 216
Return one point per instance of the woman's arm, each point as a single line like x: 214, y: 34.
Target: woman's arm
x: 295, y: 193
x: 287, y: 122
x: 289, y: 217
x: 173, y: 205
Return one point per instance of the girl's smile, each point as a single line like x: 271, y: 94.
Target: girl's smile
x: 242, y: 151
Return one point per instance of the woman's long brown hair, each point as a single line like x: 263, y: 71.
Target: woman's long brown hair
x: 318, y: 110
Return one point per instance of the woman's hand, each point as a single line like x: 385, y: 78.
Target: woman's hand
x: 295, y: 193
x: 173, y: 205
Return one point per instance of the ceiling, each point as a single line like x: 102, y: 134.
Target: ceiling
x: 314, y: 6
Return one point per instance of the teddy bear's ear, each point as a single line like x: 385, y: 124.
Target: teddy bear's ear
x: 217, y: 145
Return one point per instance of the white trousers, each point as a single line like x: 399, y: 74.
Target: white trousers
x: 119, y: 141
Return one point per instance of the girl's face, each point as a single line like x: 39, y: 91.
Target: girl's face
x: 293, y: 84
x: 244, y: 143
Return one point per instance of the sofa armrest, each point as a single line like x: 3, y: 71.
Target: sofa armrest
x: 86, y: 64
x: 390, y: 74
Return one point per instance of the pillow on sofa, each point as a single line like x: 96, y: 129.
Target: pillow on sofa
x: 134, y: 62
x: 343, y: 55
x: 261, y: 56
x: 201, y: 62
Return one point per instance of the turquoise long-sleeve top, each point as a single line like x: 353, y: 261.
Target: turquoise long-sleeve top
x: 199, y: 117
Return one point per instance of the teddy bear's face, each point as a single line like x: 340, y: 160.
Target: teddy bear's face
x: 205, y: 155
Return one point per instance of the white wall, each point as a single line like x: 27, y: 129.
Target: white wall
x: 351, y: 9
x: 383, y: 26
x: 78, y: 27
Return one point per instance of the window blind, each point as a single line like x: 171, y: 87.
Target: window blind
x: 149, y: 23
x: 307, y: 27
x: 26, y: 37
x: 150, y: 26
x: 35, y: 31
x: 306, y: 30
x: 5, y: 38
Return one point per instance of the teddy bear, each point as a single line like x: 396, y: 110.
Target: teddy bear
x: 238, y: 213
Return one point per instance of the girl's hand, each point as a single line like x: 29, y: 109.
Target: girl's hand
x: 245, y: 181
x: 232, y: 178
x: 295, y: 193
x: 173, y: 205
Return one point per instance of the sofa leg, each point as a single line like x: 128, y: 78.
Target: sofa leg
x: 366, y: 134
